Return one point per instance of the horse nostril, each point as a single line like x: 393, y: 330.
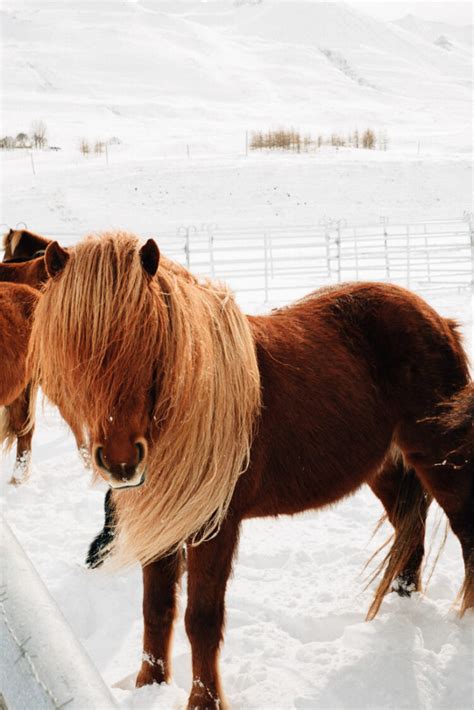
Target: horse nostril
x: 140, y: 452
x: 99, y: 458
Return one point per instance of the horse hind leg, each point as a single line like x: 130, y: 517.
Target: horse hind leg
x: 452, y: 485
x: 444, y: 462
x: 19, y: 427
x: 406, y: 504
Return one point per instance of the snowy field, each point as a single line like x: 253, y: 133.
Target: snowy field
x: 165, y: 76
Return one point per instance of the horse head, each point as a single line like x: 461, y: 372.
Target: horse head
x: 120, y: 439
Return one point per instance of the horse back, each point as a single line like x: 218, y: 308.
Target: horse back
x: 339, y: 371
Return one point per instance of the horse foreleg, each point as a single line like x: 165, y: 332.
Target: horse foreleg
x: 98, y: 549
x: 209, y: 567
x: 406, y: 504
x: 18, y: 422
x: 160, y: 587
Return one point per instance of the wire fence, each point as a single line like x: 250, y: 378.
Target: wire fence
x: 269, y: 261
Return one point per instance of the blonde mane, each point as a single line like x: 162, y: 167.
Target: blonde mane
x: 104, y: 330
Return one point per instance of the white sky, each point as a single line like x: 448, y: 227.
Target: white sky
x: 453, y: 12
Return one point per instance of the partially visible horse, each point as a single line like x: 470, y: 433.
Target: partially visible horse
x: 31, y: 272
x: 22, y: 244
x: 17, y: 304
x: 24, y: 263
x: 200, y: 417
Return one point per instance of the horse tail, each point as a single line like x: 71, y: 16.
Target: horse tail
x: 457, y: 417
x: 7, y: 435
x: 408, y: 519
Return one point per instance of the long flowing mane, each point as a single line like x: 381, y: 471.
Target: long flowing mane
x: 104, y: 330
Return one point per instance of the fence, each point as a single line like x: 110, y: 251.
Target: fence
x: 44, y: 667
x: 266, y: 262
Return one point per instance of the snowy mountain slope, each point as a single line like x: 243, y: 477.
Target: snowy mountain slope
x: 429, y: 30
x: 210, y: 71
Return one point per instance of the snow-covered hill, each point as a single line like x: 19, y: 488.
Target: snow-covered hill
x: 460, y: 38
x: 167, y: 73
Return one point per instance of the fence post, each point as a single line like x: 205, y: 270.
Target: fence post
x: 324, y: 222
x: 185, y: 232
x: 408, y: 256
x: 427, y: 254
x: 384, y: 221
x: 469, y: 218
x: 339, y: 224
x: 210, y: 228
x: 265, y: 251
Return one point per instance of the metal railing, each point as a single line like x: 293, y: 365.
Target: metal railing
x: 268, y: 260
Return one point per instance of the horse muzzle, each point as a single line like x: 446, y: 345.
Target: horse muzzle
x: 122, y: 474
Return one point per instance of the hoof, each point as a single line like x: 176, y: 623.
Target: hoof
x: 203, y: 698
x: 152, y: 671
x: 404, y: 587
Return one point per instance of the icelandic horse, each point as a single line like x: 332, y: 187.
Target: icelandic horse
x: 17, y: 304
x: 21, y: 278
x: 23, y: 262
x: 200, y: 417
x: 22, y: 244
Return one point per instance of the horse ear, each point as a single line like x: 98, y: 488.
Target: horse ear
x: 150, y: 257
x: 55, y: 258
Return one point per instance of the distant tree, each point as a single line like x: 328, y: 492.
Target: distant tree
x: 84, y: 146
x: 7, y: 143
x: 355, y: 139
x: 99, y: 147
x: 368, y: 139
x: 22, y: 140
x: 38, y: 133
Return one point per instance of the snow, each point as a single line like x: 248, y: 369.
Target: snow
x: 164, y: 76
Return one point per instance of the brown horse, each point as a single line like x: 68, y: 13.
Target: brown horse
x: 13, y: 344
x: 200, y: 417
x: 17, y: 304
x: 23, y: 265
x: 30, y: 272
x: 22, y: 244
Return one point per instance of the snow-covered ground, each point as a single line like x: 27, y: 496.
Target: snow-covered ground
x: 162, y: 76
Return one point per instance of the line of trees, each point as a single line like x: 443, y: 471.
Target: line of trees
x: 97, y: 146
x: 36, y: 138
x: 292, y: 140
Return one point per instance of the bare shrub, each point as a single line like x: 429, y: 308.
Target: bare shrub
x: 38, y: 134
x: 291, y: 140
x: 368, y: 139
x: 84, y: 146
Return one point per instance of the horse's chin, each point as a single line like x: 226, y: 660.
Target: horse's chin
x: 123, y: 486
